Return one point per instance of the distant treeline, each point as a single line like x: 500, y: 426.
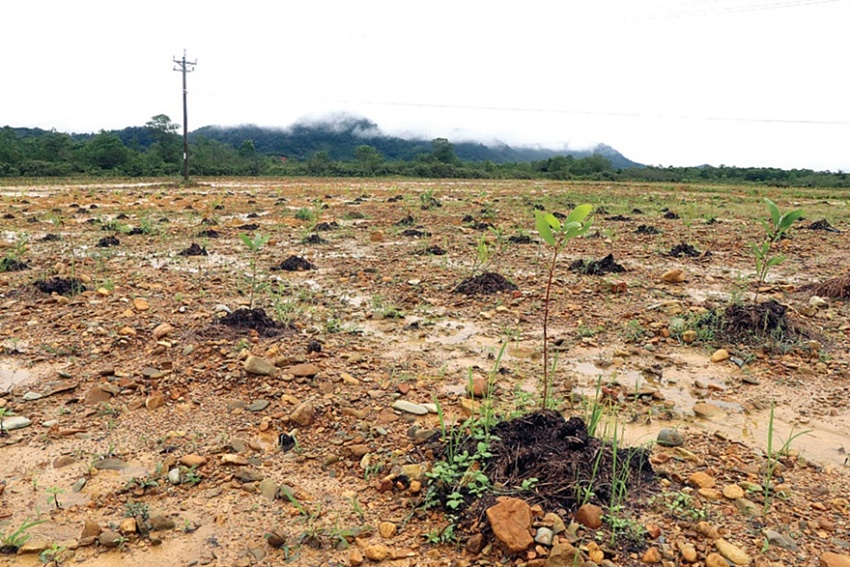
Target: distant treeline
x: 156, y: 150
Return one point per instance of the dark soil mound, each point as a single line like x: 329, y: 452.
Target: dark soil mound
x: 62, y: 286
x: 50, y: 237
x: 253, y: 319
x: 647, y: 229
x: 294, y: 264
x: 606, y: 265
x: 684, y: 249
x: 209, y: 233
x: 136, y: 230
x: 249, y: 226
x: 467, y: 218
x: 760, y: 320
x: 822, y: 224
x: 484, y: 284
x: 670, y: 215
x: 415, y: 233
x: 12, y: 265
x: 434, y: 250
x: 477, y: 225
x: 836, y: 288
x: 108, y: 241
x: 194, y: 250
x: 327, y: 226
x: 208, y: 222
x: 406, y: 221
x: 562, y: 457
x: 519, y: 239
x: 395, y: 199
x: 313, y: 239
x: 618, y: 218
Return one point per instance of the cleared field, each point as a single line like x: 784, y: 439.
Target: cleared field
x: 158, y: 357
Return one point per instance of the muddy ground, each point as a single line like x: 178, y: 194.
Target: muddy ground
x: 135, y: 405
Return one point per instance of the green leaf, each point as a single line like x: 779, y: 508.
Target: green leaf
x: 775, y: 261
x: 788, y: 219
x: 246, y: 240
x: 579, y: 213
x: 543, y: 227
x: 774, y: 211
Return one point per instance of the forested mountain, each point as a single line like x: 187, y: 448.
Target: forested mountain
x: 341, y: 136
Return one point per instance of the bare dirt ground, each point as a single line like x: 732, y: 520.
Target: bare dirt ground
x: 157, y: 429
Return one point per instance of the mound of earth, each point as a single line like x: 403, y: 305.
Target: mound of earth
x: 327, y: 226
x: 606, y: 265
x: 684, y: 249
x: 208, y: 233
x: 647, y: 229
x: 313, y: 239
x: 108, y: 241
x: 484, y: 284
x: 294, y: 264
x: 194, y: 250
x: 62, y: 286
x: 836, y: 288
x: 618, y: 218
x: 519, y: 239
x: 415, y: 233
x: 252, y: 319
x: 406, y: 221
x: 758, y: 320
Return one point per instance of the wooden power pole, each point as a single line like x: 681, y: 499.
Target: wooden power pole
x: 185, y: 67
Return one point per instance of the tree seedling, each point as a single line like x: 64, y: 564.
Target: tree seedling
x: 556, y: 235
x: 774, y: 229
x: 254, y: 245
x: 4, y: 413
x: 54, y: 492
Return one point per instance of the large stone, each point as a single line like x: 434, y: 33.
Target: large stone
x: 377, y: 552
x: 720, y: 355
x: 701, y: 479
x: 16, y: 422
x: 590, y: 516
x: 707, y: 410
x: 830, y: 559
x: 162, y: 330
x: 731, y: 552
x: 304, y: 414
x: 564, y: 555
x: 510, y: 520
x: 675, y: 275
x: 306, y: 370
x: 410, y: 407
x: 669, y: 438
x: 96, y: 395
x: 258, y: 365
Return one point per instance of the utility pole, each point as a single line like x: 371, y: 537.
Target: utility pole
x: 185, y: 67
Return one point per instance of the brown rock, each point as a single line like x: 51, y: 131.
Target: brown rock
x: 475, y: 544
x: 387, y: 529
x: 141, y: 304
x: 720, y: 355
x: 673, y: 276
x: 355, y: 557
x: 63, y: 461
x: 705, y: 409
x: 128, y: 526
x: 258, y: 365
x: 651, y: 556
x: 90, y: 529
x: 590, y: 516
x: 109, y: 539
x: 733, y: 553
x: 478, y: 387
x: 377, y: 552
x: 96, y: 395
x: 830, y: 559
x: 688, y: 552
x: 304, y: 414
x: 510, y: 520
x: 700, y: 479
x: 733, y: 491
x: 715, y: 560
x: 306, y: 370
x: 154, y: 401
x: 162, y: 330
x: 564, y: 555
x: 192, y: 460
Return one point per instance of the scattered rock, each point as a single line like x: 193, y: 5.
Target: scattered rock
x: 733, y: 491
x: 193, y: 460
x: 304, y: 414
x: 376, y: 552
x: 590, y: 516
x: 707, y: 410
x: 257, y: 365
x: 720, y: 355
x: 109, y: 538
x: 564, y: 555
x: 510, y: 520
x: 701, y: 479
x: 669, y: 438
x: 162, y: 330
x: 16, y: 422
x: 306, y: 370
x: 410, y: 407
x: 673, y: 276
x: 387, y: 529
x: 161, y: 523
x: 734, y: 554
x: 90, y: 529
x: 544, y: 536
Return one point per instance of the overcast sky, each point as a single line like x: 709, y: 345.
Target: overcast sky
x: 665, y: 82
